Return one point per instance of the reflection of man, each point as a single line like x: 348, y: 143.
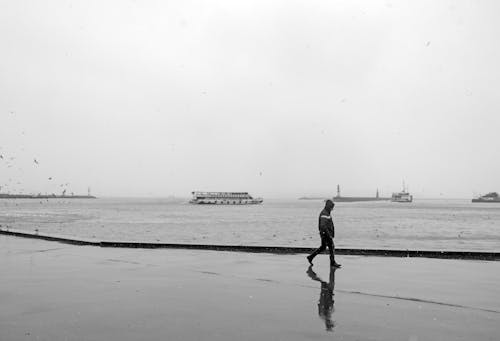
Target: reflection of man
x: 326, y: 301
x: 326, y: 233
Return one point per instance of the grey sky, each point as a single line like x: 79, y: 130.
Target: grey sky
x: 279, y: 98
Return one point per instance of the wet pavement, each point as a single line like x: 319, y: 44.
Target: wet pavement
x: 54, y: 291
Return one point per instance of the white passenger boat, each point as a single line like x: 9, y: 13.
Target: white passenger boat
x: 403, y: 196
x: 224, y: 198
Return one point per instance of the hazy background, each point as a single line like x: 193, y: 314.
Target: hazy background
x: 278, y: 98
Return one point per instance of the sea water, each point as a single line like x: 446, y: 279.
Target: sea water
x: 421, y: 225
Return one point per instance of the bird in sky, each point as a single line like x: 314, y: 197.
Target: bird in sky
x: 35, y: 161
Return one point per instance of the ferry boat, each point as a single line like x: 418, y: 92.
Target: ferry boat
x: 224, y: 198
x: 403, y: 196
x: 490, y: 197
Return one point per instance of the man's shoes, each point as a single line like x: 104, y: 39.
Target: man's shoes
x: 310, y: 260
x: 335, y: 265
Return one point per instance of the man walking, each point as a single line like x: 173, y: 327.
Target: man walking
x: 327, y: 233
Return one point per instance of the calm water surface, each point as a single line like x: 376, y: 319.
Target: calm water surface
x: 423, y: 224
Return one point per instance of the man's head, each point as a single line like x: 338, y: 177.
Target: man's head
x: 329, y: 205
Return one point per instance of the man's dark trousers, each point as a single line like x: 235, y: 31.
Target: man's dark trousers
x: 326, y: 241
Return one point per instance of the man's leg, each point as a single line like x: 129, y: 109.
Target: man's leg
x: 318, y: 250
x: 331, y: 249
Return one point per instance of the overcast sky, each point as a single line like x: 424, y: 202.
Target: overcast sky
x: 278, y: 98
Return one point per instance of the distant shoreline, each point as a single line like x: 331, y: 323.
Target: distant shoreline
x: 52, y: 196
x: 347, y: 199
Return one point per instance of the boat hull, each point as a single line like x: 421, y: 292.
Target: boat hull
x: 486, y: 201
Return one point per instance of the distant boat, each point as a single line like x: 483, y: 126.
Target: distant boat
x: 224, y: 198
x: 403, y: 196
x: 490, y: 197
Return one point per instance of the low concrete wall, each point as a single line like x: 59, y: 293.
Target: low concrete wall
x: 257, y: 249
x: 55, y: 238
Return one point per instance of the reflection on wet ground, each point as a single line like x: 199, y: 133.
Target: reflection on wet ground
x: 326, y: 297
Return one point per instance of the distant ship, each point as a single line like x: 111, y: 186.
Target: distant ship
x: 490, y: 197
x: 403, y: 196
x: 340, y: 198
x: 224, y: 198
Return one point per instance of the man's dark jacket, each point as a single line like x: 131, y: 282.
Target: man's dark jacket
x: 326, y: 224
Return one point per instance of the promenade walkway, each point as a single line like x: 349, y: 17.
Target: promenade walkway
x: 55, y: 291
